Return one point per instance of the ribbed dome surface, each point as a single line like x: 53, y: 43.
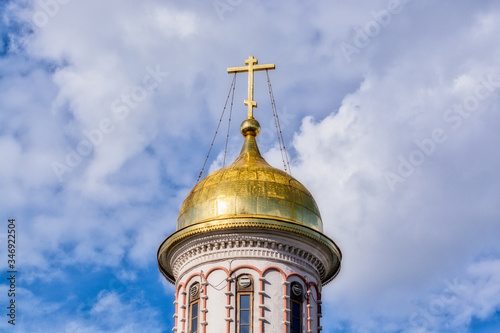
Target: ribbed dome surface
x: 250, y: 187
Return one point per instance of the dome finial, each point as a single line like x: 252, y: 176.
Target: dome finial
x: 250, y: 126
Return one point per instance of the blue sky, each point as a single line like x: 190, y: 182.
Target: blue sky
x: 389, y: 111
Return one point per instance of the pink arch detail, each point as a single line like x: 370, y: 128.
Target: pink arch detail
x: 245, y: 266
x: 276, y: 269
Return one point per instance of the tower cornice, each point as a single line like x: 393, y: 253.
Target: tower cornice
x: 330, y: 258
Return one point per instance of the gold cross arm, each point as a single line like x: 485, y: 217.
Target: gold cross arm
x: 251, y: 67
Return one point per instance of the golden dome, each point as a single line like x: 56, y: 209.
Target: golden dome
x: 250, y: 195
x: 250, y: 187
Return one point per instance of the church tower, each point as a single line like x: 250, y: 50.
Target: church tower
x: 249, y: 254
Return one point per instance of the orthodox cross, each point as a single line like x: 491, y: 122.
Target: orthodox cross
x: 250, y: 68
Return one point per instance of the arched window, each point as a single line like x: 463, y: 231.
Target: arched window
x: 244, y: 302
x: 296, y: 297
x: 194, y: 308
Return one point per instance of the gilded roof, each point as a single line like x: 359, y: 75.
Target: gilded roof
x: 250, y: 187
x: 250, y: 194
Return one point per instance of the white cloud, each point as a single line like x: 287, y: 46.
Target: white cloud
x: 400, y: 238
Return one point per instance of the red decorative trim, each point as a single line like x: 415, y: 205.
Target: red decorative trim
x: 216, y: 268
x: 176, y: 309
x: 308, y: 286
x: 315, y: 286
x: 245, y: 266
x: 285, y: 306
x: 184, y: 310
x: 318, y: 308
x: 262, y: 303
x: 204, y: 291
x: 297, y: 275
x: 275, y: 268
x: 318, y: 296
x: 179, y: 287
x: 283, y: 275
x: 308, y: 307
x: 192, y: 276
x: 228, y: 323
x: 319, y: 311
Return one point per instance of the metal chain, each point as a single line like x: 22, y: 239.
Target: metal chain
x: 229, y: 123
x: 217, y: 130
x: 281, y: 141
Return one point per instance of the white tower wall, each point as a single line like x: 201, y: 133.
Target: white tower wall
x: 215, y: 262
